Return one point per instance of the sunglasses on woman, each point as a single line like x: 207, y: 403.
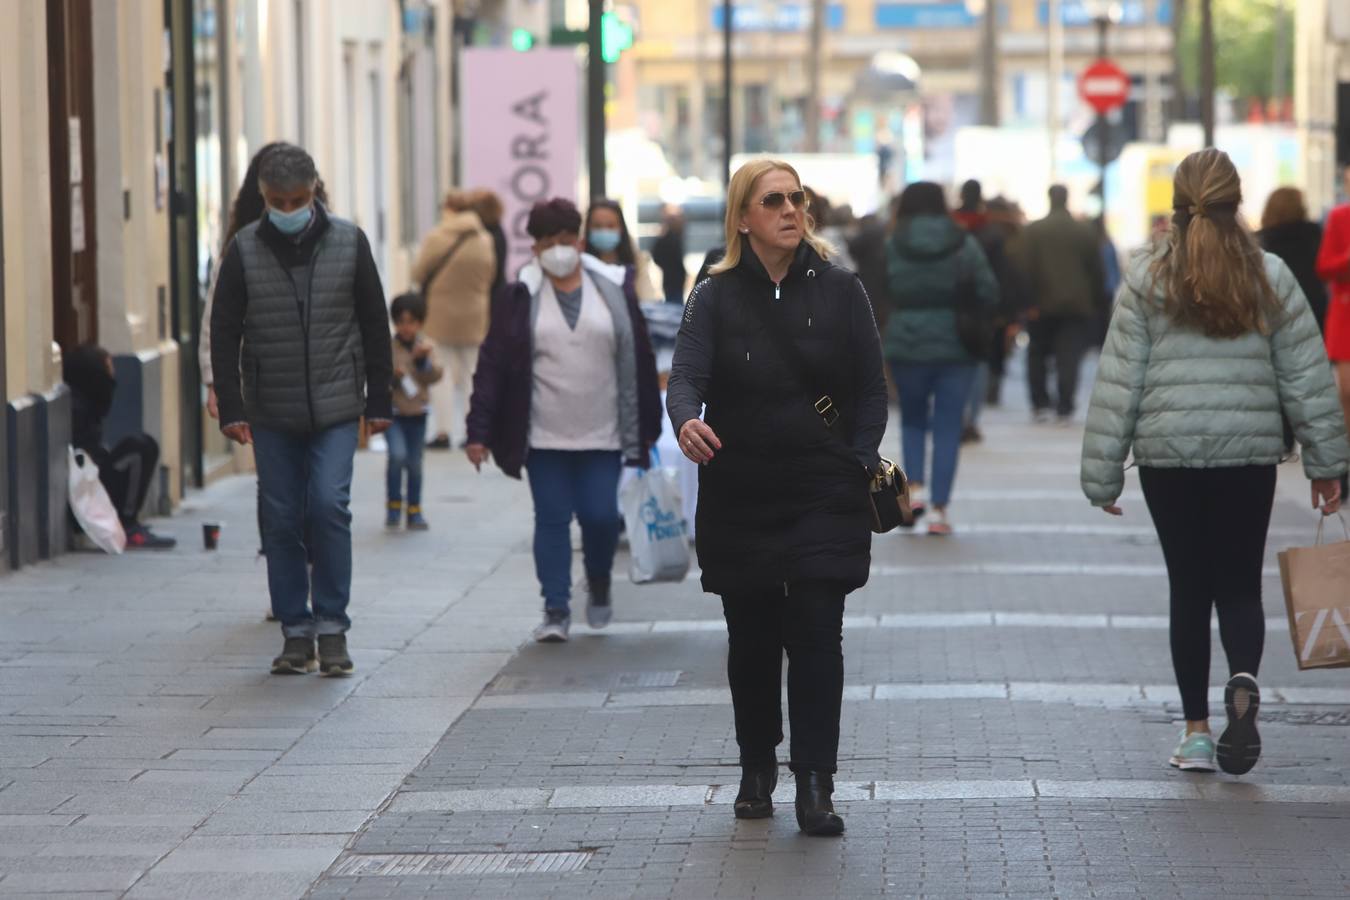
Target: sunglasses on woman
x: 775, y: 199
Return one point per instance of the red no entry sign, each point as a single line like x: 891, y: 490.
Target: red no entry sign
x: 1104, y: 86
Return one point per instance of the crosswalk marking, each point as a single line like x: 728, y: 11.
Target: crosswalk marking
x: 1211, y: 789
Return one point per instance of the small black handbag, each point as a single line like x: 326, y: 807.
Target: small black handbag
x: 888, y: 490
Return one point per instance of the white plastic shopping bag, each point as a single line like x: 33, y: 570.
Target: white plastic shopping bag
x: 657, y: 534
x: 91, y: 505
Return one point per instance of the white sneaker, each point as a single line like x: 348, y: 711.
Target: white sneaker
x: 554, y: 628
x: 938, y: 524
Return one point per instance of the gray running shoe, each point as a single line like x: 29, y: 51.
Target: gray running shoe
x: 1240, y: 744
x: 599, y: 609
x: 554, y: 628
x: 297, y: 657
x: 333, y: 659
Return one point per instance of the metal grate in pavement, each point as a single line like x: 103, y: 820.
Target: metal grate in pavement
x: 403, y: 864
x: 520, y: 684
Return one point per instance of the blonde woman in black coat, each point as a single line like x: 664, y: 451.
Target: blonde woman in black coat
x: 783, y: 528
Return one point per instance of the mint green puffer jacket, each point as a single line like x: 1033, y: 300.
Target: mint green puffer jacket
x: 1180, y: 399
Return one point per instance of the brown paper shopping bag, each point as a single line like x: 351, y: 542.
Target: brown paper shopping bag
x: 1317, y: 598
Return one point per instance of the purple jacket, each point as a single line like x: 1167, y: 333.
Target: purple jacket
x: 503, y: 384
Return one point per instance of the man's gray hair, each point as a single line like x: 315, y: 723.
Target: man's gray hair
x: 287, y: 167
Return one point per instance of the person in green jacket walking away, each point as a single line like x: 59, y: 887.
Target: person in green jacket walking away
x: 1210, y: 340
x: 931, y: 262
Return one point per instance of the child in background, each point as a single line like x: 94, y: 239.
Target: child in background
x: 415, y: 369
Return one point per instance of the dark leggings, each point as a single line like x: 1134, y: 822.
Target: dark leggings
x: 808, y: 623
x: 126, y: 472
x: 1212, y: 524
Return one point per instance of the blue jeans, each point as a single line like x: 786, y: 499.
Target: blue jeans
x: 978, y: 390
x: 406, y: 439
x: 564, y: 483
x: 306, y: 490
x: 932, y: 398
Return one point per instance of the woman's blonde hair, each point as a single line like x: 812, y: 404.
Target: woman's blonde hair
x: 738, y: 201
x: 1284, y: 206
x: 1211, y: 269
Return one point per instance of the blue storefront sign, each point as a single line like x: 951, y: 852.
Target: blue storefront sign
x: 1135, y: 12
x: 924, y: 14
x: 777, y: 16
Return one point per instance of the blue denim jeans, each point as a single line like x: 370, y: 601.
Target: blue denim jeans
x: 932, y: 398
x: 567, y: 483
x: 406, y: 439
x: 306, y: 483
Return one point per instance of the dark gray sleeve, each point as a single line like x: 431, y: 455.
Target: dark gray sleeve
x: 869, y: 378
x: 372, y: 315
x: 228, y: 307
x: 695, y: 345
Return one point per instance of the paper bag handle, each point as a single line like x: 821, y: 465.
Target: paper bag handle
x: 1323, y: 521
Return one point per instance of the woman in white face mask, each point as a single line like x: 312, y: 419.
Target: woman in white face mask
x: 566, y: 388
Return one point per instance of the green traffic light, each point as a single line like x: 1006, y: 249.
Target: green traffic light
x: 616, y: 36
x: 521, y: 40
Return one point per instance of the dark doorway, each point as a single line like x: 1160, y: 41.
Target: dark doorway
x: 70, y: 90
x: 4, y: 413
x: 193, y: 24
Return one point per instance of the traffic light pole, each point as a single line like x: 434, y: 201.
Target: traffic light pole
x: 1103, y: 127
x: 726, y: 89
x: 595, y: 99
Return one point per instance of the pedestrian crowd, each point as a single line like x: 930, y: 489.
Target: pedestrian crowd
x: 793, y: 338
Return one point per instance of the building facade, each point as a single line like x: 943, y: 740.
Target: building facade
x: 125, y: 129
x: 677, y: 64
x: 1322, y: 99
x: 85, y: 237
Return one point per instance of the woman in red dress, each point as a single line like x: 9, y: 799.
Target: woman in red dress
x: 1333, y: 267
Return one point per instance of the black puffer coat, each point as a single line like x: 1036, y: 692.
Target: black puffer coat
x: 782, y: 500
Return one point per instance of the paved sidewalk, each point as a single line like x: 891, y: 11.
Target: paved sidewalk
x: 1008, y: 714
x: 1009, y: 711
x: 146, y: 752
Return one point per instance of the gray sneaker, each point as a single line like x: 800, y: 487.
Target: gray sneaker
x: 554, y: 628
x: 599, y: 609
x: 297, y: 657
x: 334, y: 661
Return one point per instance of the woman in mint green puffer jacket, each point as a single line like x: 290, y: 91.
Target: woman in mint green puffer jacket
x: 1211, y: 340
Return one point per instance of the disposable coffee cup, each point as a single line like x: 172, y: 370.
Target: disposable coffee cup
x: 210, y: 535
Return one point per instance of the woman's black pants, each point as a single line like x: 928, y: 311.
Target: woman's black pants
x: 1212, y: 525
x: 807, y: 621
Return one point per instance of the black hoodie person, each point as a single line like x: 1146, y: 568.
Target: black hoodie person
x: 125, y: 470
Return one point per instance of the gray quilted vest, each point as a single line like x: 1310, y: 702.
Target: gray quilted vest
x: 303, y: 367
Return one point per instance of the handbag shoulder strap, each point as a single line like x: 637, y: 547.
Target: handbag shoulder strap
x: 444, y: 260
x: 804, y: 372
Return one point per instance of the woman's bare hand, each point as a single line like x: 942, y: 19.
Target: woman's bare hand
x: 1326, y: 495
x: 698, y: 442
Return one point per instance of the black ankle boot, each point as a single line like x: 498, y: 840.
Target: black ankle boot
x: 755, y: 800
x: 815, y: 812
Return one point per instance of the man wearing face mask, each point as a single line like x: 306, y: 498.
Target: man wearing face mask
x: 566, y: 388
x: 300, y: 347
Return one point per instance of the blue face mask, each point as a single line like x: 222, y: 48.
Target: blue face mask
x: 606, y: 240
x: 291, y: 223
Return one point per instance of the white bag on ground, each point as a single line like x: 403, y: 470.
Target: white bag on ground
x: 654, y: 518
x: 91, y: 505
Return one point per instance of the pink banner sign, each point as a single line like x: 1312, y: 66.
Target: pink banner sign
x: 518, y: 125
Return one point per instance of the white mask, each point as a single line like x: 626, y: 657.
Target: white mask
x: 560, y: 260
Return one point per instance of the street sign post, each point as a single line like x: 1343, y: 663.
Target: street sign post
x: 1104, y: 86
